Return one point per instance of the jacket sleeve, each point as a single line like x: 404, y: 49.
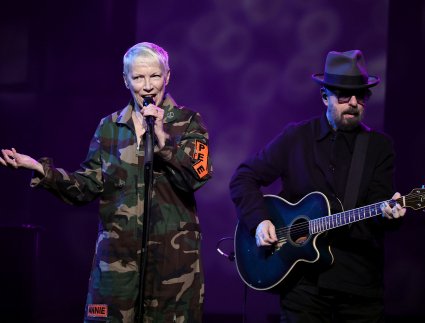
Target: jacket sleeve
x: 259, y: 171
x: 186, y: 157
x: 80, y: 187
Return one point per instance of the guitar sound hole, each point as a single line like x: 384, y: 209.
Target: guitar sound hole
x: 299, y: 233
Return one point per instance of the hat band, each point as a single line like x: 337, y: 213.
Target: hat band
x: 345, y: 79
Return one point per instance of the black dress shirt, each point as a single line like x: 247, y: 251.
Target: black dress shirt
x: 311, y: 156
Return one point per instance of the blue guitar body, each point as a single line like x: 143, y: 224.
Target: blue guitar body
x: 263, y: 268
x: 300, y: 229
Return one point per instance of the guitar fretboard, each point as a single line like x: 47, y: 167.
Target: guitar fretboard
x: 344, y: 218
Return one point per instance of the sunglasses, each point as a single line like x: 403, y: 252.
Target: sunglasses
x: 344, y: 96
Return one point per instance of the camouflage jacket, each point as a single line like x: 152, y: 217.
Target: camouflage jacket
x: 114, y: 172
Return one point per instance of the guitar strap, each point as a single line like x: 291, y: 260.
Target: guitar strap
x: 356, y: 170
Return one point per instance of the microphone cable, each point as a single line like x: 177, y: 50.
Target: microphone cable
x: 231, y: 257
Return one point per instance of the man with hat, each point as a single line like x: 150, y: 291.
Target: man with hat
x: 352, y: 165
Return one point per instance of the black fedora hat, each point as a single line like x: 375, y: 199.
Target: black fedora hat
x: 346, y: 70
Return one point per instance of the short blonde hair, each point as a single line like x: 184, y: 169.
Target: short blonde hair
x: 146, y: 49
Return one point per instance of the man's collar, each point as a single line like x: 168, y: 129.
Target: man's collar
x: 325, y: 128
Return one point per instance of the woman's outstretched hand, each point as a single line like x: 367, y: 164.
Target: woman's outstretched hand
x: 11, y: 158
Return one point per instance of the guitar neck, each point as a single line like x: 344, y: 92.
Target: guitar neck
x: 347, y: 217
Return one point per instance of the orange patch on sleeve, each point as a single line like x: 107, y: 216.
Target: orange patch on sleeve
x: 201, y: 154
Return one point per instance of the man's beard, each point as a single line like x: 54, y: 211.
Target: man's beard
x: 348, y: 124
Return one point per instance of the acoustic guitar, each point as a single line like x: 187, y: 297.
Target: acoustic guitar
x: 300, y: 231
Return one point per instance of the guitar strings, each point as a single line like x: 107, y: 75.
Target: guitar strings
x: 298, y: 228
x: 305, y: 226
x: 302, y: 228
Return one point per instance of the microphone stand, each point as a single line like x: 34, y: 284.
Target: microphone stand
x: 148, y: 178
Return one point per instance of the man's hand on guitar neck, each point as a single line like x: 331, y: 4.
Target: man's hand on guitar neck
x: 265, y: 234
x: 393, y: 213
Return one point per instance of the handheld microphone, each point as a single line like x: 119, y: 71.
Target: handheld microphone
x: 146, y: 101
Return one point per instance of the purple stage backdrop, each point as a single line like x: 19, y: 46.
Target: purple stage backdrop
x: 245, y: 65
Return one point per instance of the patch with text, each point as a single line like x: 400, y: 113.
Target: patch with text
x: 201, y: 154
x: 97, y: 310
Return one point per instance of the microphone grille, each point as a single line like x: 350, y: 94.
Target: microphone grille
x: 147, y: 100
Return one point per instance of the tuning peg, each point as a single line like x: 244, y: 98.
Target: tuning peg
x: 423, y: 186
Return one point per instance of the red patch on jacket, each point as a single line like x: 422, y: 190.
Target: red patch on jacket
x: 97, y: 310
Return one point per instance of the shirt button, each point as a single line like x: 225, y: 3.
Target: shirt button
x: 332, y: 168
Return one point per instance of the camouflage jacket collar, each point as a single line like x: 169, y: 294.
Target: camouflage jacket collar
x: 169, y: 105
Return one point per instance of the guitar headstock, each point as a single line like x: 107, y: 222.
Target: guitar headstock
x: 415, y: 199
